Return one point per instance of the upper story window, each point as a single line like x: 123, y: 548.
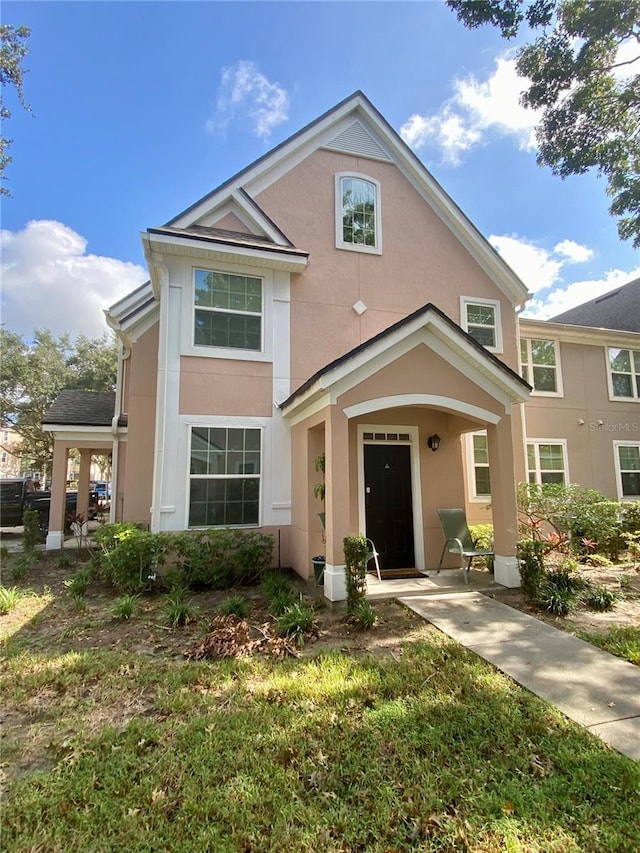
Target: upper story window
x: 540, y: 362
x: 228, y: 310
x: 358, y: 213
x: 624, y: 370
x: 481, y: 319
x: 547, y: 461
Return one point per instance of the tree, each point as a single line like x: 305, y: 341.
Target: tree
x: 33, y: 374
x: 13, y: 49
x: 584, y: 74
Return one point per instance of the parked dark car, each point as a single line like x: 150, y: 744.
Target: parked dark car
x: 20, y: 494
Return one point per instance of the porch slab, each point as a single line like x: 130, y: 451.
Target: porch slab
x: 448, y: 581
x: 591, y: 687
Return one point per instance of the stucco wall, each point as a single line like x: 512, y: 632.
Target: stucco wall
x: 141, y: 407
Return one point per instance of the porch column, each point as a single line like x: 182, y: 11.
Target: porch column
x: 55, y: 536
x: 82, y: 507
x: 503, y: 502
x: 336, y: 502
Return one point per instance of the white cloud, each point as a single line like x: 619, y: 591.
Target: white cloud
x: 563, y: 298
x: 574, y: 252
x: 49, y: 281
x: 245, y: 91
x: 477, y: 108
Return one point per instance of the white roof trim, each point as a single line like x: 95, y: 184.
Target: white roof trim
x: 134, y: 314
x: 432, y: 400
x: 426, y: 329
x: 570, y: 334
x: 247, y: 213
x: 319, y: 134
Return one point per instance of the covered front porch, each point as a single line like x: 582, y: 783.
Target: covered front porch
x: 373, y: 417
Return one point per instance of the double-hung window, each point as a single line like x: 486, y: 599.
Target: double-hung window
x: 546, y: 462
x: 228, y: 310
x: 358, y: 213
x: 481, y: 479
x: 539, y: 360
x: 628, y: 465
x: 624, y: 370
x: 224, y: 477
x: 481, y: 319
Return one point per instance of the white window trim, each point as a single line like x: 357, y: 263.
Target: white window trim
x: 559, y: 392
x: 465, y: 301
x: 225, y: 423
x: 416, y: 493
x: 538, y: 442
x: 471, y: 466
x: 357, y: 247
x: 616, y: 459
x: 613, y: 398
x: 189, y: 308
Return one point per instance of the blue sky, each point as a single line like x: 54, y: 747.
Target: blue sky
x: 141, y: 108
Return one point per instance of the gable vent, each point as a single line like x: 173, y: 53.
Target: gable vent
x: 356, y: 139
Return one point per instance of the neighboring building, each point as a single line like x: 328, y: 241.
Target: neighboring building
x: 332, y: 300
x: 10, y: 459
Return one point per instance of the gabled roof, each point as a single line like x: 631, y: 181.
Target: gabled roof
x: 133, y: 314
x: 82, y: 408
x: 354, y: 125
x: 426, y: 325
x: 618, y: 310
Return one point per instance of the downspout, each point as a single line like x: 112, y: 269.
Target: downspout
x: 123, y: 355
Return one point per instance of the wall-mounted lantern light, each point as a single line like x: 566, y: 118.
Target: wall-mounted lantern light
x: 433, y: 442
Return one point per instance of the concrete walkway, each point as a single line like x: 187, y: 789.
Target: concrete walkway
x: 592, y: 687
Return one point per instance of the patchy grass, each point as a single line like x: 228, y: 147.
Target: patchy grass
x: 397, y: 739
x: 621, y: 641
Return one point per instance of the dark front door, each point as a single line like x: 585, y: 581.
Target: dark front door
x: 388, y: 503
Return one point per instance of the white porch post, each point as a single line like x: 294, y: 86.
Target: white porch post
x: 336, y: 502
x: 503, y: 502
x: 55, y: 536
x: 82, y: 507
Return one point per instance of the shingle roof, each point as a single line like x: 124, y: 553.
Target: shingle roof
x: 229, y: 238
x: 619, y: 310
x: 82, y: 408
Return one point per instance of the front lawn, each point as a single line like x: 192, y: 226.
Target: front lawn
x: 397, y: 739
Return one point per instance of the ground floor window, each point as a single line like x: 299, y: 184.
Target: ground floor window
x: 224, y: 477
x: 546, y: 462
x: 479, y: 453
x: 628, y: 460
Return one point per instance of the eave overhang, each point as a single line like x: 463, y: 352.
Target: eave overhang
x: 570, y: 334
x: 429, y: 327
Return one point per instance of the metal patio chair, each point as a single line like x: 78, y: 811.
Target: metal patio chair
x: 458, y: 538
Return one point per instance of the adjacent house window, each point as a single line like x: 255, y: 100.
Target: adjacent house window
x: 539, y: 360
x: 628, y: 465
x: 547, y: 462
x: 357, y: 213
x: 224, y: 477
x: 479, y: 457
x: 228, y: 310
x: 481, y: 320
x: 624, y: 369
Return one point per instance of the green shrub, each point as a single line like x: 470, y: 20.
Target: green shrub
x: 482, y: 536
x: 178, y: 610
x: 630, y: 512
x: 219, y: 559
x: 599, y: 598
x: 64, y: 559
x: 9, y: 598
x: 32, y: 536
x: 597, y: 560
x: 281, y: 601
x: 21, y: 566
x: 273, y: 583
x: 78, y: 584
x: 297, y: 620
x: 234, y: 605
x: 364, y: 615
x: 355, y: 556
x: 531, y: 565
x: 557, y: 600
x: 4, y: 552
x: 130, y: 556
x: 125, y: 607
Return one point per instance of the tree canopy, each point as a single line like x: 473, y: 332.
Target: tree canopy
x: 33, y: 374
x: 13, y: 49
x: 583, y: 68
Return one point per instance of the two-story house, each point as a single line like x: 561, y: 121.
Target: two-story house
x: 330, y: 300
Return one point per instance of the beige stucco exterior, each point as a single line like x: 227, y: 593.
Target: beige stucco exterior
x: 358, y: 347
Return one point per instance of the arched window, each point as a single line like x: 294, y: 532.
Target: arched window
x: 358, y: 213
